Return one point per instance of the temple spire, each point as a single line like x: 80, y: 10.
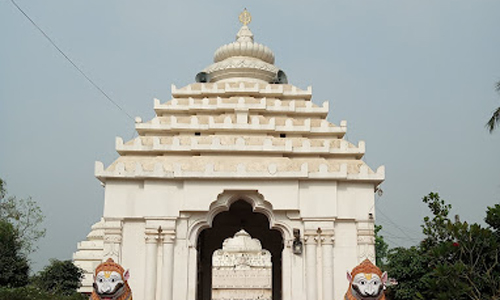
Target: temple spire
x: 244, y: 34
x: 242, y: 59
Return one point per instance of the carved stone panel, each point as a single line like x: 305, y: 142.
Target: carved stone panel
x: 241, y: 270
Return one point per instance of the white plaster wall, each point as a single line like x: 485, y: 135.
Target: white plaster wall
x: 182, y: 264
x: 356, y: 200
x: 167, y: 198
x: 133, y: 255
x: 334, y: 206
x: 142, y: 198
x: 344, y: 255
x: 318, y: 199
x: 199, y: 194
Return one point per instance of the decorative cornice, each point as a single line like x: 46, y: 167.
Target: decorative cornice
x: 227, y: 89
x: 310, y: 239
x: 264, y: 105
x: 151, y: 239
x: 366, y: 240
x: 324, y: 129
x: 241, y: 172
x: 330, y: 148
x: 238, y: 67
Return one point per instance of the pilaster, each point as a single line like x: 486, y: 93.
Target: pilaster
x: 366, y: 240
x: 113, y: 230
x: 310, y: 239
x: 152, y: 238
x: 327, y: 242
x: 168, y: 241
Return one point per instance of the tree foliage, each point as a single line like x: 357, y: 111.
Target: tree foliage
x: 409, y: 266
x: 59, y: 277
x: 493, y: 217
x: 14, y: 266
x: 33, y: 293
x: 26, y: 217
x: 381, y: 248
x: 456, y: 260
x: 20, y: 221
x: 435, y: 229
x: 495, y: 116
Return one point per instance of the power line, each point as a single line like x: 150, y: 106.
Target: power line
x: 70, y: 61
x: 396, y: 225
x: 407, y: 229
x: 393, y: 242
x: 392, y: 235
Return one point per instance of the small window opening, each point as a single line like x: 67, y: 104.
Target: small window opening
x: 197, y: 133
x: 282, y: 135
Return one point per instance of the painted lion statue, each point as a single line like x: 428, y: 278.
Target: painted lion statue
x: 110, y: 282
x: 366, y: 282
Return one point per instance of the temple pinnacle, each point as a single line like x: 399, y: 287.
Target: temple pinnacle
x: 245, y: 17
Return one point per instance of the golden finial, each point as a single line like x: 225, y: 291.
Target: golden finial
x: 245, y: 17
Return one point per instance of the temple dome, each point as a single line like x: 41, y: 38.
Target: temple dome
x: 243, y: 60
x: 244, y: 46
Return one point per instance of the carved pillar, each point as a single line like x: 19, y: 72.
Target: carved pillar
x: 151, y: 238
x: 310, y: 241
x: 112, y: 240
x: 327, y: 245
x: 167, y: 265
x: 366, y: 240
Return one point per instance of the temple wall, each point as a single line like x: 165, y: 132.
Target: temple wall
x: 168, y: 198
x: 332, y: 217
x: 134, y: 253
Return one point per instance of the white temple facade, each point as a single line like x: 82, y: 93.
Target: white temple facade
x: 240, y: 149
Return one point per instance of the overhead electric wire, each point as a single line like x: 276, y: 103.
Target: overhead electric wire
x: 384, y: 219
x: 396, y: 225
x: 393, y: 242
x: 70, y: 61
x: 394, y: 236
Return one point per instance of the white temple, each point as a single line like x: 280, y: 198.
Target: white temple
x: 239, y: 149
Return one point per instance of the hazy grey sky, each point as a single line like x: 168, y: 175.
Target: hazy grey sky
x: 414, y: 79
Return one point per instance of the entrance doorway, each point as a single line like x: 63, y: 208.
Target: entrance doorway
x: 239, y: 216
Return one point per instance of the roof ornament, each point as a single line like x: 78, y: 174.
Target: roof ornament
x: 245, y: 17
x: 245, y: 35
x: 242, y: 59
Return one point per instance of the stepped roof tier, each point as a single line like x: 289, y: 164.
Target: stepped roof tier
x: 240, y: 120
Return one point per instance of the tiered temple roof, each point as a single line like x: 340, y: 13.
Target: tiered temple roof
x: 241, y: 120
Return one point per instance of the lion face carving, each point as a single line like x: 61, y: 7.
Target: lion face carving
x: 366, y: 282
x: 110, y: 282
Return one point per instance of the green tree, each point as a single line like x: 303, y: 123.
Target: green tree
x: 463, y: 258
x: 456, y: 260
x: 435, y: 229
x: 26, y: 217
x: 14, y: 266
x: 493, y: 217
x: 381, y: 248
x: 59, y: 277
x: 30, y: 292
x: 410, y: 267
x: 495, y: 117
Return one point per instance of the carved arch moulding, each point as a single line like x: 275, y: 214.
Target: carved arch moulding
x: 223, y: 203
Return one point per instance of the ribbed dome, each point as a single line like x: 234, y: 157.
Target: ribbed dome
x: 244, y: 46
x: 243, y: 60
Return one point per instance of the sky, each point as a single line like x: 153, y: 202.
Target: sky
x: 414, y: 80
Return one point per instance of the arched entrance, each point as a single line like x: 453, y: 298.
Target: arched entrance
x: 239, y: 216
